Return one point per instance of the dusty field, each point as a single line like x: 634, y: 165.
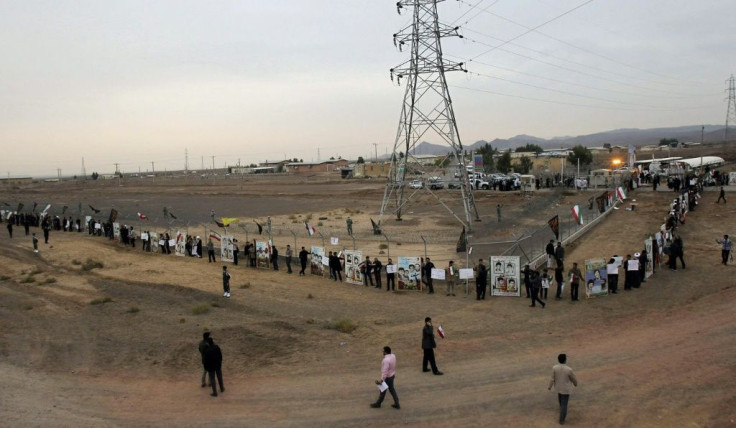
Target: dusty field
x: 662, y: 355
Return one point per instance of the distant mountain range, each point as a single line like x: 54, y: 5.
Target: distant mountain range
x: 618, y: 137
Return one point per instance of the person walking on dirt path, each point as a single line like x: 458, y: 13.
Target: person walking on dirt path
x: 428, y: 266
x: 562, y: 378
x: 35, y: 242
x: 289, y: 255
x: 536, y: 285
x: 225, y: 282
x: 721, y: 195
x: 481, y: 281
x: 349, y: 222
x: 428, y: 345
x: 575, y: 276
x: 450, y: 274
x: 10, y: 229
x: 680, y: 251
x: 726, y: 245
x: 560, y: 279
x: 388, y: 373
x: 203, y: 347
x: 211, y: 251
x: 303, y: 260
x: 498, y: 212
x: 213, y: 364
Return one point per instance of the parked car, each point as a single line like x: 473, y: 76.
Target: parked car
x: 436, y: 183
x: 416, y: 184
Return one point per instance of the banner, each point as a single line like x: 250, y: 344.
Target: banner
x: 154, y: 242
x: 467, y: 273
x: 438, y: 274
x: 462, y: 242
x: 478, y: 162
x: 262, y: 254
x: 113, y: 215
x: 180, y: 245
x: 649, y: 268
x: 554, y: 224
x: 352, y: 267
x: 116, y: 231
x: 316, y: 266
x: 596, y: 278
x: 226, y: 248
x: 409, y: 275
x: 505, y: 276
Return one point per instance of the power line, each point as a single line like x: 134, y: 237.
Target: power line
x: 731, y: 109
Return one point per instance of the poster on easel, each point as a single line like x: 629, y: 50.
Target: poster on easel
x: 154, y: 242
x: 409, y: 274
x: 596, y: 278
x: 505, y: 276
x: 262, y: 254
x: 352, y: 267
x: 316, y: 266
x: 649, y: 268
x: 226, y: 248
x: 116, y: 231
x: 180, y: 245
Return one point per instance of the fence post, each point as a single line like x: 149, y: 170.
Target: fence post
x: 388, y: 244
x: 353, y: 237
x: 425, y: 246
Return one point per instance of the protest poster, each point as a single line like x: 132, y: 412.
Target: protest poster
x: 262, y: 254
x: 466, y: 273
x: 154, y: 242
x: 116, y: 231
x: 409, y: 273
x: 352, y: 267
x: 334, y: 240
x: 226, y: 248
x: 505, y: 276
x: 596, y: 278
x: 87, y: 219
x: 316, y: 266
x: 180, y: 244
x: 438, y: 274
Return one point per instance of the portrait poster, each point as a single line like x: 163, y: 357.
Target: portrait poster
x: 180, y: 244
x: 659, y: 238
x: 438, y: 274
x: 649, y: 267
x: 262, y: 254
x: 154, y: 242
x: 226, y: 248
x: 352, y: 267
x: 87, y: 219
x: 316, y: 266
x: 116, y: 231
x: 466, y: 273
x: 596, y: 278
x: 409, y: 275
x: 505, y: 276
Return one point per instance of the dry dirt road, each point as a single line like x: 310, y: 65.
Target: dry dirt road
x: 659, y: 356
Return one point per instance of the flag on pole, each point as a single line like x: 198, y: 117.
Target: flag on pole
x: 35, y: 204
x: 227, y: 220
x: 63, y: 210
x: 620, y: 194
x: 554, y: 224
x: 94, y: 209
x: 45, y: 210
x: 577, y: 215
x: 310, y: 229
x: 441, y: 331
x: 142, y: 216
x: 172, y: 215
x: 376, y: 228
x: 216, y: 236
x: 470, y: 250
x: 113, y: 215
x: 260, y: 227
x: 462, y: 242
x: 219, y: 223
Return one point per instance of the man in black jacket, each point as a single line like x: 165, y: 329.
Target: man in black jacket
x: 428, y: 345
x: 428, y: 266
x: 303, y: 260
x: 203, y: 347
x: 480, y: 281
x: 213, y: 365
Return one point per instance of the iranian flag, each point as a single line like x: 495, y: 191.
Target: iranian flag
x: 441, y: 331
x: 216, y: 236
x: 577, y: 215
x: 310, y: 229
x: 620, y: 193
x: 142, y: 216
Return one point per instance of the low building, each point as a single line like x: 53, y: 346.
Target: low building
x: 16, y: 180
x: 315, y: 167
x: 372, y: 170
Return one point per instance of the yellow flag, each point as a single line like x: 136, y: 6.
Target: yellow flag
x: 227, y: 220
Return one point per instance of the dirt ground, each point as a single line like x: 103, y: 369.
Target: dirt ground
x: 658, y: 356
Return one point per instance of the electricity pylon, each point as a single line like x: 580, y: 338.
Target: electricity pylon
x: 731, y: 109
x: 426, y: 110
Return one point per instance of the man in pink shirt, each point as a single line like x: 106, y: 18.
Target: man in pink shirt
x: 388, y: 372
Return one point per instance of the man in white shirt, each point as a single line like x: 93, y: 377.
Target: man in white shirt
x: 388, y: 372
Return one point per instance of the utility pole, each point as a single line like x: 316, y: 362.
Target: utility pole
x: 731, y: 109
x: 117, y: 168
x: 426, y: 109
x: 58, y: 173
x: 375, y: 146
x: 153, y: 170
x: 213, y: 163
x: 186, y: 161
x: 84, y: 170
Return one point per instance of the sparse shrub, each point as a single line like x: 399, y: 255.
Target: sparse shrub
x: 202, y: 308
x: 245, y: 285
x: 215, y: 304
x: 133, y: 310
x: 36, y: 271
x: 182, y: 320
x: 27, y: 307
x: 292, y: 217
x: 29, y: 279
x: 381, y: 252
x: 383, y: 246
x: 309, y: 296
x: 49, y: 280
x: 398, y: 244
x: 101, y: 301
x: 323, y: 218
x: 310, y: 321
x: 320, y: 224
x: 76, y: 262
x: 4, y: 277
x: 345, y: 325
x: 90, y: 264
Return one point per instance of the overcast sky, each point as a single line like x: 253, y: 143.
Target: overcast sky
x: 136, y: 82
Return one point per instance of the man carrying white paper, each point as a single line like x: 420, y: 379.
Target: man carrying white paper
x: 388, y: 372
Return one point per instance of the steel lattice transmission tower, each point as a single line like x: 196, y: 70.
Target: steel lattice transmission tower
x: 426, y: 110
x: 731, y: 109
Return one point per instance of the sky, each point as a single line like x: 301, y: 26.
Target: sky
x: 145, y: 83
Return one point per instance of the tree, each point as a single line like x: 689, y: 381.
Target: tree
x: 487, y: 151
x: 580, y: 153
x: 95, y: 175
x: 524, y: 166
x: 504, y: 162
x: 443, y: 162
x: 669, y: 142
x: 360, y: 160
x: 608, y: 146
x: 530, y: 148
